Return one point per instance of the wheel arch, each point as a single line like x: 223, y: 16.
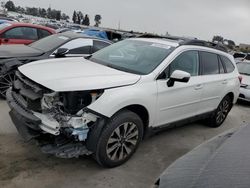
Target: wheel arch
x: 141, y: 111
x: 231, y: 95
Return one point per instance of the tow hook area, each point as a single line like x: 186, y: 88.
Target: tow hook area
x: 68, y: 150
x: 75, y: 135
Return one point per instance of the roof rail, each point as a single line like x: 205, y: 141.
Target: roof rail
x: 161, y: 37
x: 196, y: 42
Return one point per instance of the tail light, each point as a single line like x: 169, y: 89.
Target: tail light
x: 240, y: 78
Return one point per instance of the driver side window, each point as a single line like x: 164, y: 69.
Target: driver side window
x: 187, y: 61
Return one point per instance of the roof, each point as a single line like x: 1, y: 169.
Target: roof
x: 158, y: 40
x: 73, y: 35
x: 186, y: 41
x: 30, y: 25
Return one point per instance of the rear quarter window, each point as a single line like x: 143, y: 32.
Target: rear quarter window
x: 228, y: 64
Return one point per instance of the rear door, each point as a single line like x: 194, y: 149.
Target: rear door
x: 20, y: 35
x: 214, y: 83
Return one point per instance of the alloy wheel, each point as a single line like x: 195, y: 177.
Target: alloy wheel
x: 122, y: 141
x: 6, y: 82
x: 222, y: 111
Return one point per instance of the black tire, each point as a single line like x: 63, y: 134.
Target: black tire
x: 6, y: 81
x: 113, y: 149
x: 220, y: 114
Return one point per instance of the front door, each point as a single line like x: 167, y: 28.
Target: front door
x: 183, y: 99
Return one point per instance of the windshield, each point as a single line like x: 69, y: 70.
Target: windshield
x: 244, y: 68
x: 4, y: 25
x: 133, y: 56
x: 49, y: 43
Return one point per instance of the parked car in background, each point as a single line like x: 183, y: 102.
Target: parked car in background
x: 22, y: 33
x: 9, y: 19
x: 104, y: 105
x: 240, y: 56
x: 244, y: 70
x: 68, y: 44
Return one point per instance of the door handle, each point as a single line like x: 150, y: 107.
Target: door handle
x: 199, y: 86
x: 224, y: 82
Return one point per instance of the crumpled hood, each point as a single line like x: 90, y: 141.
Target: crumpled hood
x: 76, y: 74
x: 13, y: 51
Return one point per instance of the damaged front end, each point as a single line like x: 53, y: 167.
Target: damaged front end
x: 59, y: 121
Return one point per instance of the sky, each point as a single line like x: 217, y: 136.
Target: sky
x: 191, y: 18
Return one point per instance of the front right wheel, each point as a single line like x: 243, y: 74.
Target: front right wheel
x: 120, y: 139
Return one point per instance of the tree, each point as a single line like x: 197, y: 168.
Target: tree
x: 98, y: 18
x: 32, y: 11
x: 218, y: 39
x: 86, y: 20
x: 74, y: 17
x: 64, y: 16
x: 20, y: 10
x: 42, y: 12
x: 10, y: 6
x: 79, y: 17
x: 58, y: 15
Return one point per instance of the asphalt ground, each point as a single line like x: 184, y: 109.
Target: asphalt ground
x: 22, y: 165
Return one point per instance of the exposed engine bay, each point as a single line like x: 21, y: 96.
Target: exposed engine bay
x: 64, y: 113
x: 59, y: 121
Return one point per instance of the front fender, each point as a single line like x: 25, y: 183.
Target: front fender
x: 113, y: 100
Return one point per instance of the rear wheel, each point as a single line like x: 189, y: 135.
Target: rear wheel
x: 6, y: 81
x: 219, y: 116
x: 120, y: 139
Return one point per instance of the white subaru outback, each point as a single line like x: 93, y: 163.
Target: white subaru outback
x: 106, y: 104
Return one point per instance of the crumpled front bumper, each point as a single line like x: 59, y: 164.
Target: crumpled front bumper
x: 26, y: 123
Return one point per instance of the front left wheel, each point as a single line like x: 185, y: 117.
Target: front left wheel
x: 120, y: 139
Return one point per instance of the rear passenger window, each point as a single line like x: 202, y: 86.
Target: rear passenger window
x: 222, y: 68
x: 43, y: 33
x: 210, y: 63
x: 228, y: 64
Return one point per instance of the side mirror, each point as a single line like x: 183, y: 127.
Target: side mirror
x: 178, y: 76
x: 61, y: 52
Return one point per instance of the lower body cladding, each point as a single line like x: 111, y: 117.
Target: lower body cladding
x: 72, y: 137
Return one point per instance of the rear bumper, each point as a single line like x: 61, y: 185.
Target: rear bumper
x: 26, y: 123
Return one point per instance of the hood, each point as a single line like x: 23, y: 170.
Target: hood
x: 15, y: 51
x: 76, y: 74
x: 245, y: 79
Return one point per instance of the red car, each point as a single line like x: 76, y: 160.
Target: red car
x: 22, y: 33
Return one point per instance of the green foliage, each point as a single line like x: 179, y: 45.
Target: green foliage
x: 10, y: 6
x: 98, y: 18
x: 40, y: 12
